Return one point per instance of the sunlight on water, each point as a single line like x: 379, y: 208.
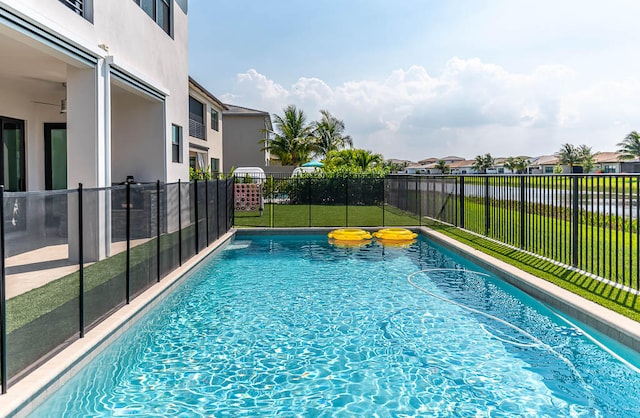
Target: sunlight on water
x: 292, y: 326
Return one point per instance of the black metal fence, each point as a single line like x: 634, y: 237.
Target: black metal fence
x: 586, y: 221
x: 70, y: 258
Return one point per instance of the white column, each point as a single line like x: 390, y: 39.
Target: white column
x: 88, y: 156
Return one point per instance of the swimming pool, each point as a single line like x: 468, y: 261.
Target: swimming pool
x: 293, y: 326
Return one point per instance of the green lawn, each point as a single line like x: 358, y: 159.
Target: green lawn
x: 284, y: 216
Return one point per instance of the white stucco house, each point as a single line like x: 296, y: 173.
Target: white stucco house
x: 93, y: 91
x: 205, y: 129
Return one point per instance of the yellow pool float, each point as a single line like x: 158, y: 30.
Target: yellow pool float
x: 349, y: 234
x: 395, y: 235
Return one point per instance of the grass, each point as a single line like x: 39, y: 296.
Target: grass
x: 28, y: 306
x: 601, y: 293
x: 287, y: 216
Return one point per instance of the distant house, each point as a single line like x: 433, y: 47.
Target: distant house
x: 451, y: 159
x: 544, y: 164
x: 244, y: 131
x: 205, y: 129
x: 607, y: 162
x: 462, y: 167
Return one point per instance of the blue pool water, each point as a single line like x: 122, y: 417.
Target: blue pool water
x: 295, y: 327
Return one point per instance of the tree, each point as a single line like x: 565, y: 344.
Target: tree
x: 630, y: 146
x: 569, y: 155
x: 576, y: 156
x: 517, y: 164
x: 292, y: 140
x: 586, y: 156
x: 328, y: 134
x: 443, y: 167
x: 354, y: 158
x: 483, y: 163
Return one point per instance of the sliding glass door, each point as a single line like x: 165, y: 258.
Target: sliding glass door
x: 12, y: 161
x: 55, y: 156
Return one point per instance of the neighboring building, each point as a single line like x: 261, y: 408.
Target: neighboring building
x: 462, y: 167
x: 545, y: 164
x: 243, y: 138
x: 93, y: 92
x: 607, y: 162
x: 451, y: 159
x: 205, y: 129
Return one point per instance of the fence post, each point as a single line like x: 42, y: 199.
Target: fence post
x: 195, y: 204
x: 226, y: 206
x: 574, y: 222
x: 522, y: 212
x: 81, y: 261
x: 179, y: 222
x: 217, y: 208
x: 419, y: 199
x: 158, y: 229
x: 309, y: 200
x: 128, y: 233
x: 384, y: 197
x: 346, y: 201
x: 487, y: 209
x: 206, y: 208
x: 461, y: 198
x: 3, y: 300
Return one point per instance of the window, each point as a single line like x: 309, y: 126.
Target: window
x: 196, y: 119
x: 83, y: 8
x: 548, y: 170
x: 215, y: 165
x: 214, y: 120
x: 159, y: 11
x: 176, y: 143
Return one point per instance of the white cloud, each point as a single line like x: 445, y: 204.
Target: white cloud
x: 470, y: 108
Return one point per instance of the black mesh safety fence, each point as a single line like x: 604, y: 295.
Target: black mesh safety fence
x: 104, y: 246
x: 37, y: 236
x: 73, y: 257
x: 188, y: 220
x: 212, y: 210
x: 200, y: 198
x: 170, y: 237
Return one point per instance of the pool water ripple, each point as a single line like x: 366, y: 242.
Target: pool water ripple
x: 290, y: 326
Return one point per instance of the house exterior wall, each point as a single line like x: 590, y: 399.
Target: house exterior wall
x: 121, y: 38
x: 241, y: 141
x: 213, y: 141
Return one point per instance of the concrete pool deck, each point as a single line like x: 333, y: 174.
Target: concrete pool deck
x: 24, y: 396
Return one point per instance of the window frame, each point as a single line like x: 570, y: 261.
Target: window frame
x: 176, y: 144
x: 215, y: 120
x: 157, y: 6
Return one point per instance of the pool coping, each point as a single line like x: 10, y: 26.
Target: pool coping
x: 28, y: 393
x: 24, y: 396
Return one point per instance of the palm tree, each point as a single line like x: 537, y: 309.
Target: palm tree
x: 587, y: 158
x: 442, y: 166
x: 329, y: 135
x: 517, y: 164
x: 630, y: 146
x: 291, y: 140
x: 569, y: 155
x: 483, y: 163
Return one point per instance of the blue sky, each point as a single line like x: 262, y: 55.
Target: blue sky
x: 415, y: 79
